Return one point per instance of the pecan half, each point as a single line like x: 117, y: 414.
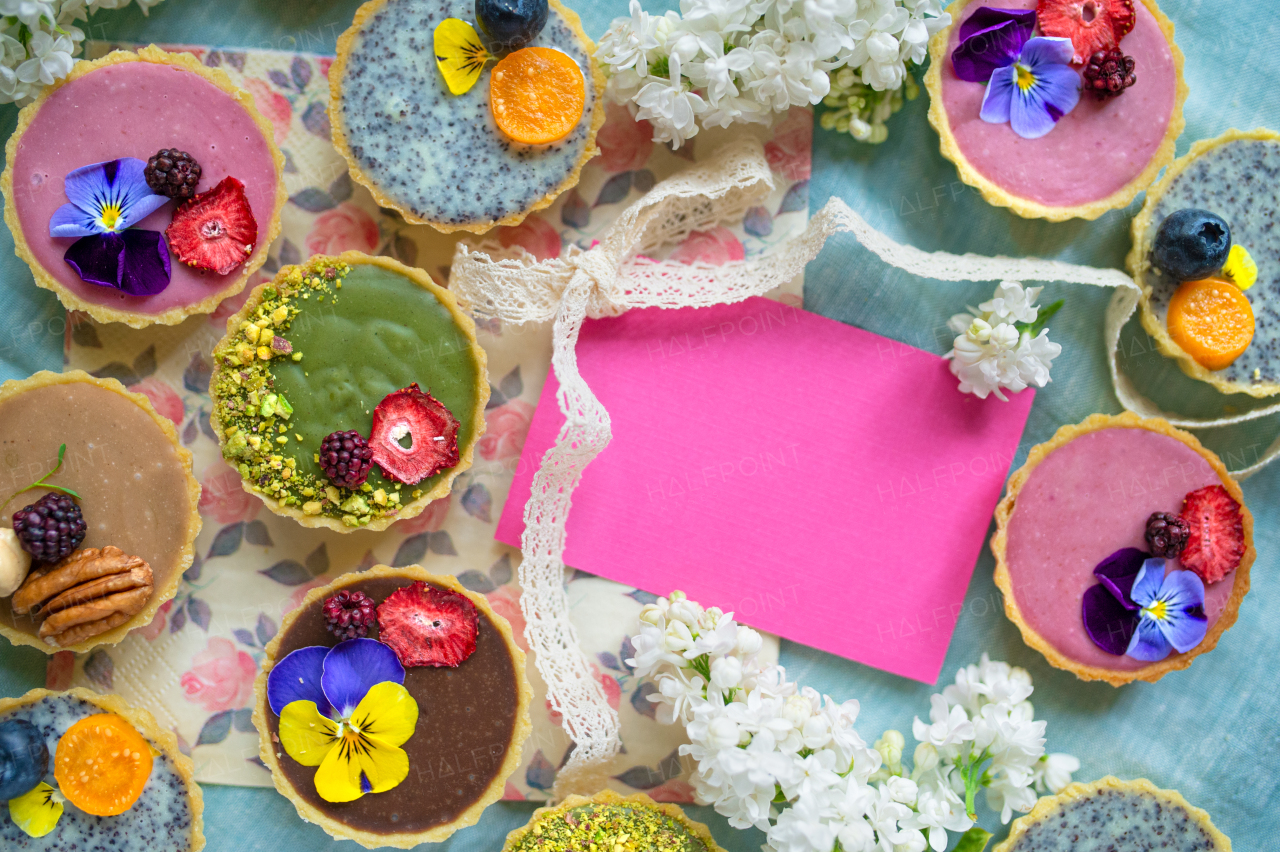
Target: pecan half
x: 86, y: 594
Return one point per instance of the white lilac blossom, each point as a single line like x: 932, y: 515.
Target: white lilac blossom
x: 39, y: 40
x: 1002, y: 344
x: 718, y: 62
x: 788, y: 761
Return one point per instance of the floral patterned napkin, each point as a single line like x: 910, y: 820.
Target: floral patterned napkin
x: 194, y: 666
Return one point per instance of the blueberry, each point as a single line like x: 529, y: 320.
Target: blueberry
x: 1191, y: 244
x: 511, y: 24
x: 24, y: 758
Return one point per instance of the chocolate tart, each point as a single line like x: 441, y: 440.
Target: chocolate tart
x: 107, y: 109
x: 1110, y: 815
x: 1081, y: 496
x: 1097, y: 158
x: 472, y: 724
x: 632, y: 823
x: 375, y: 326
x: 134, y: 478
x: 1236, y: 176
x: 436, y: 158
x: 167, y: 817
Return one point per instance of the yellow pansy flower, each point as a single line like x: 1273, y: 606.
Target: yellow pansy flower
x: 37, y: 812
x: 460, y: 54
x: 1240, y: 267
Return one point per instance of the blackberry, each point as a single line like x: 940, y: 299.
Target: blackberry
x: 346, y: 459
x: 349, y: 615
x: 1167, y: 535
x: 51, y: 528
x: 173, y: 173
x: 1108, y: 73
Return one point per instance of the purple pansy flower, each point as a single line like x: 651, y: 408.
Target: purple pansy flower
x: 336, y: 678
x: 1036, y: 90
x: 106, y: 200
x: 1136, y: 610
x: 991, y: 39
x: 1172, y: 616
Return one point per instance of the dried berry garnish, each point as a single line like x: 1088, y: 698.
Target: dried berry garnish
x: 1092, y: 25
x: 346, y: 458
x: 173, y: 173
x: 215, y: 230
x: 429, y: 626
x: 1108, y: 73
x: 51, y: 528
x: 430, y: 427
x: 1166, y: 535
x: 349, y: 614
x: 1215, y: 545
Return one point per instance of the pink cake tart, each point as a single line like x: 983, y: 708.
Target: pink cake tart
x: 133, y: 105
x: 1098, y: 156
x: 1088, y: 495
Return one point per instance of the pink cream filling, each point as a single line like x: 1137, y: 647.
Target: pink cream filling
x: 1085, y: 501
x: 133, y: 110
x: 1095, y: 150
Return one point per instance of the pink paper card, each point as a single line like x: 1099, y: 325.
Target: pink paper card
x: 822, y: 482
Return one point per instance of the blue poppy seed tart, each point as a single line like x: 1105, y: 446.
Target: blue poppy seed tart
x: 437, y: 158
x: 167, y: 817
x: 1110, y: 815
x: 1236, y: 176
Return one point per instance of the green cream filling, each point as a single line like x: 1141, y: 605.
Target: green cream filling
x: 337, y: 340
x: 609, y: 828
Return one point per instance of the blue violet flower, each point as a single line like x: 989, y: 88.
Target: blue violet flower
x: 1136, y: 610
x: 107, y: 199
x: 1030, y: 81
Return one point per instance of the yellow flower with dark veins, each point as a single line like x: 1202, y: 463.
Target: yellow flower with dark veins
x: 345, y: 710
x: 460, y: 54
x: 1240, y: 267
x: 37, y: 811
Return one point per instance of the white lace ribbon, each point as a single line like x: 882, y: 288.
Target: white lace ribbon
x: 616, y: 275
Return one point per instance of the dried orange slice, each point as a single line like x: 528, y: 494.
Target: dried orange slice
x: 1212, y: 321
x: 537, y: 95
x: 102, y: 764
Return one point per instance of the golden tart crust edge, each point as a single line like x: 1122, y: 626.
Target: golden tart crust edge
x: 996, y: 195
x: 1138, y: 264
x: 338, y: 70
x: 612, y: 797
x: 1047, y: 805
x: 174, y: 315
x: 186, y: 555
x: 999, y: 545
x: 151, y: 731
x: 510, y: 763
x: 465, y: 453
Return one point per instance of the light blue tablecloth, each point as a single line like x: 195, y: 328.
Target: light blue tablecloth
x: 1210, y: 732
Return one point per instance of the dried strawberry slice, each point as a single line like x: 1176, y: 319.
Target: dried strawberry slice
x: 428, y: 626
x: 1092, y: 25
x: 1216, y: 543
x: 431, y: 428
x: 215, y: 230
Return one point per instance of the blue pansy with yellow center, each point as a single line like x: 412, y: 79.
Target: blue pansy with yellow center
x: 1035, y: 91
x: 345, y: 710
x: 1135, y: 609
x: 106, y: 201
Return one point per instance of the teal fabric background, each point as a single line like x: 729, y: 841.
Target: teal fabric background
x: 1210, y: 732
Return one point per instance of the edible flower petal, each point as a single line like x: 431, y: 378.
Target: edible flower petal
x: 307, y: 736
x: 460, y: 54
x: 37, y: 812
x: 356, y: 745
x: 353, y: 668
x: 1172, y: 612
x: 990, y: 39
x: 133, y: 261
x: 297, y: 677
x: 105, y: 198
x: 1118, y: 572
x: 1034, y: 92
x: 1108, y: 621
x: 1240, y: 267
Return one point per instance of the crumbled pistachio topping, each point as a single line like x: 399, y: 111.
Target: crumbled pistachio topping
x: 609, y: 828
x: 254, y: 418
